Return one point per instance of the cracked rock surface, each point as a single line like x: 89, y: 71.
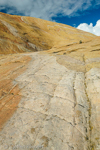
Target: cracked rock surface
x: 58, y: 108
x: 49, y: 86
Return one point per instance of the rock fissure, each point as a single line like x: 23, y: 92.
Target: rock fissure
x: 89, y: 115
x: 75, y: 102
x: 53, y: 103
x: 88, y: 130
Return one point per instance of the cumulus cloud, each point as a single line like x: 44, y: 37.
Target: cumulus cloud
x: 46, y: 9
x: 90, y: 28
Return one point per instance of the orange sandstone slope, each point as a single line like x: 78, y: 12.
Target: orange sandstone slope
x: 25, y: 34
x: 49, y: 100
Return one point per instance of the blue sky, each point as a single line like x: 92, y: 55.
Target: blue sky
x: 82, y: 14
x: 88, y: 16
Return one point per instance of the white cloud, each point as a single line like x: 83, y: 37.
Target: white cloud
x: 46, y: 9
x: 90, y: 28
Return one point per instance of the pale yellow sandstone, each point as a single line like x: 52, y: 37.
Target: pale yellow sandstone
x: 49, y: 98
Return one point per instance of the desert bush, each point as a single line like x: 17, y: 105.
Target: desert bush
x: 80, y: 42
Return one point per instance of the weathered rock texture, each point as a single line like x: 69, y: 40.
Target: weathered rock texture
x: 49, y: 100
x: 23, y: 34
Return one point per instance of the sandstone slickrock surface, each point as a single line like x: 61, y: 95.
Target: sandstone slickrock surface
x: 50, y: 100
x: 24, y: 34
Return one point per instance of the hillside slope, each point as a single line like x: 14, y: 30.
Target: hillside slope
x: 23, y: 34
x: 49, y: 86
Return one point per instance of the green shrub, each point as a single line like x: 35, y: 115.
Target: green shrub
x: 80, y: 42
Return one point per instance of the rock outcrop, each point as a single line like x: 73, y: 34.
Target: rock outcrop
x: 50, y: 98
x: 24, y: 34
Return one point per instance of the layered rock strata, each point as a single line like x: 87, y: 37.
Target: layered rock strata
x: 49, y: 98
x: 58, y: 109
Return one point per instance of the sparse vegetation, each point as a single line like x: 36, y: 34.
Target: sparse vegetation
x: 80, y: 42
